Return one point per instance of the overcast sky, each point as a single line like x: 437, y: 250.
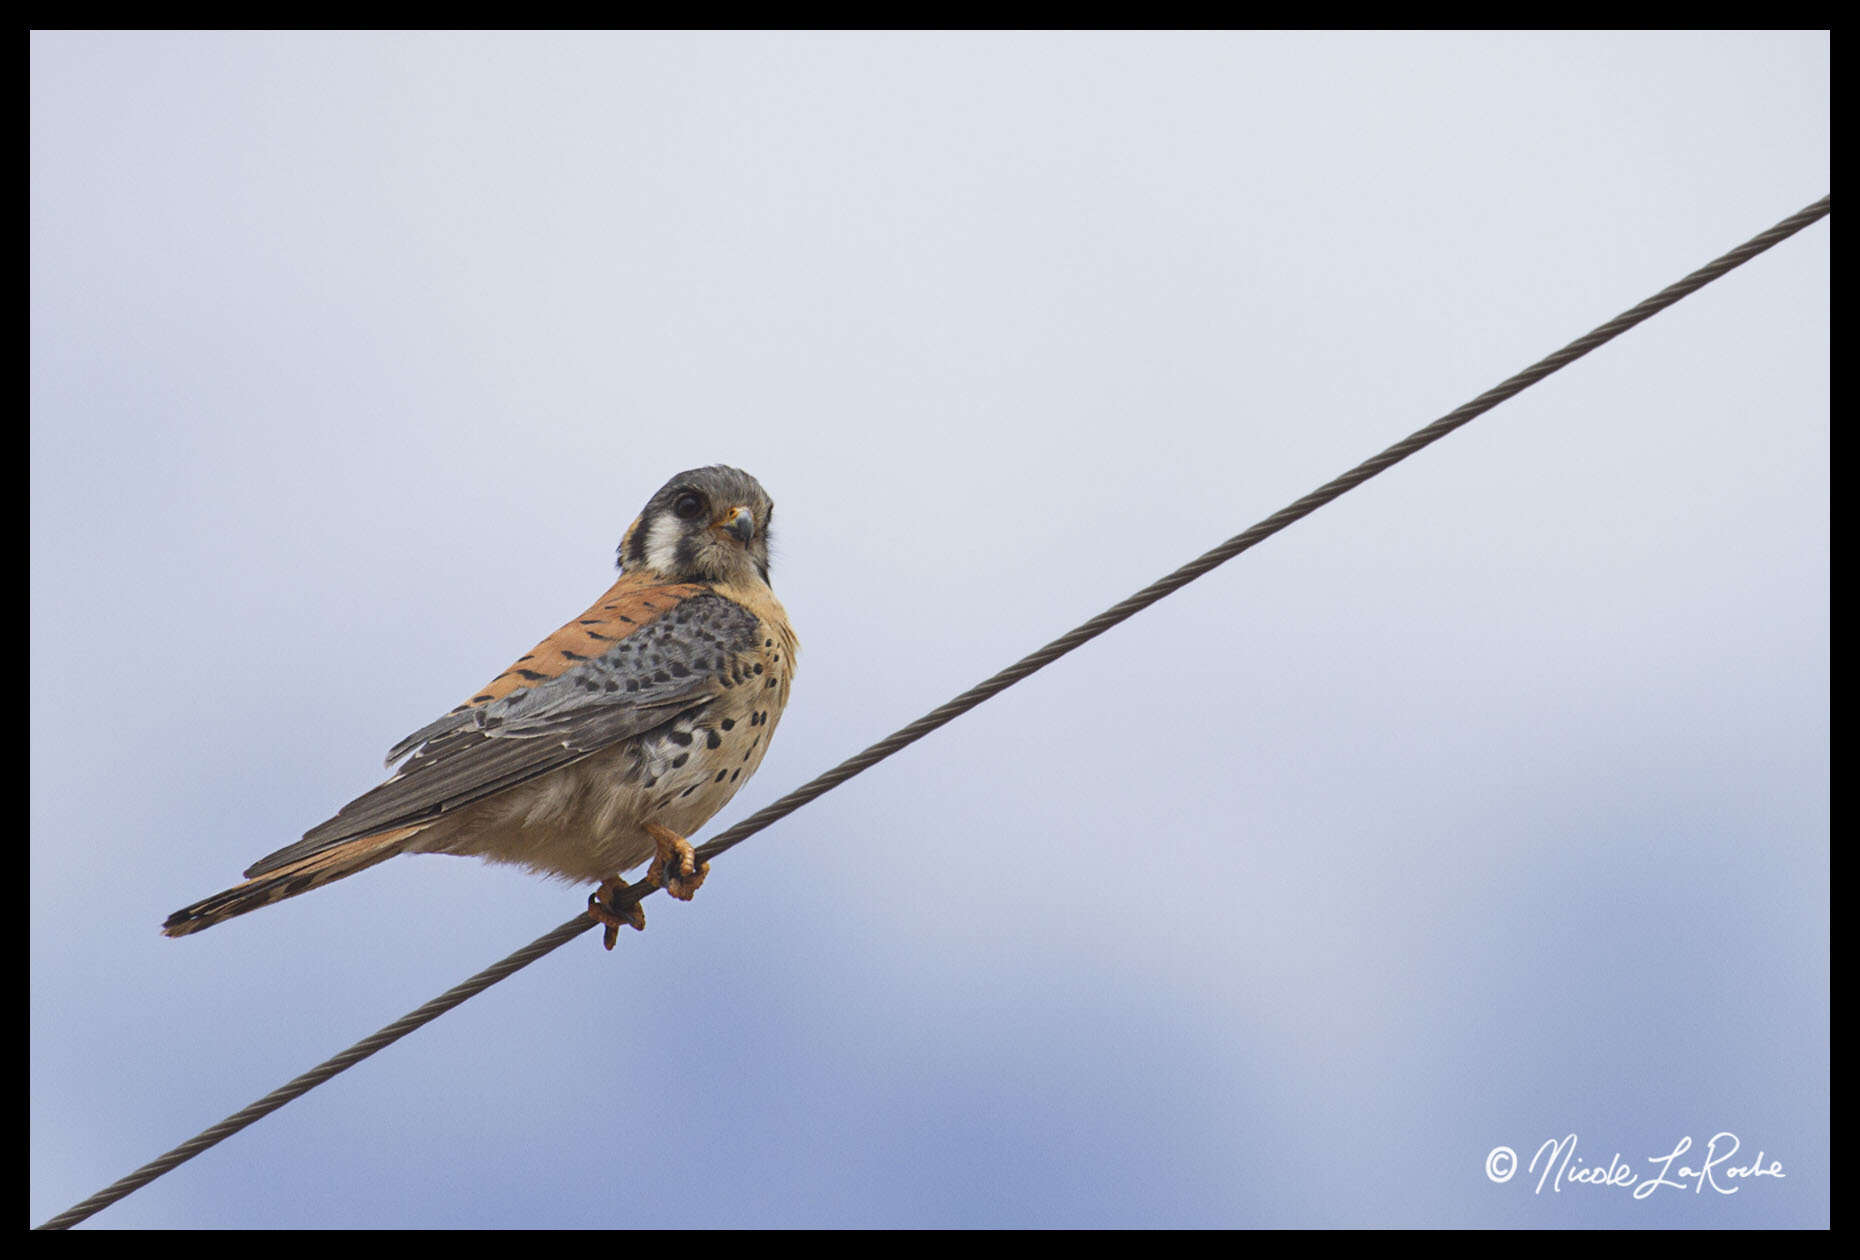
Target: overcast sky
x: 1487, y: 806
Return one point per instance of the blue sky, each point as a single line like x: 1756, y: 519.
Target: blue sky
x: 1486, y: 806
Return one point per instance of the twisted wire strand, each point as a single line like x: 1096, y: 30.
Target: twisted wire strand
x: 948, y: 712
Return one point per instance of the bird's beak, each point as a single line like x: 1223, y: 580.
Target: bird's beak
x: 739, y: 523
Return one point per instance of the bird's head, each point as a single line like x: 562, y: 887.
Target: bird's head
x: 705, y: 525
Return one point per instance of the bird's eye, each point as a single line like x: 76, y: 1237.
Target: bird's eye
x: 687, y: 505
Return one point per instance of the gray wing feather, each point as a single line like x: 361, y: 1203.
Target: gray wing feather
x: 654, y: 676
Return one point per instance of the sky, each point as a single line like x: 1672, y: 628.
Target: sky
x: 1485, y: 807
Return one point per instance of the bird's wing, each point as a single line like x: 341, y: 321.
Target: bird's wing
x: 644, y: 655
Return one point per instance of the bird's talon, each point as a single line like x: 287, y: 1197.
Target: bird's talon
x: 685, y: 887
x: 599, y: 909
x: 675, y: 867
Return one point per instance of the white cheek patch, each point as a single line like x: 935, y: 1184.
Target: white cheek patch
x: 661, y: 544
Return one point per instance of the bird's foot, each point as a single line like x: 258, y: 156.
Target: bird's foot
x: 602, y: 911
x: 675, y: 868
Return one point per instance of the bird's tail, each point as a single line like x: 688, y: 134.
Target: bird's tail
x: 312, y: 871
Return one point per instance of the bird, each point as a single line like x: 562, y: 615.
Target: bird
x: 605, y: 745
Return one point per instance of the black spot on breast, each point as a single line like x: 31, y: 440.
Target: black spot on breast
x: 712, y: 739
x: 680, y: 760
x: 681, y: 738
x: 729, y: 724
x: 720, y: 774
x: 530, y: 674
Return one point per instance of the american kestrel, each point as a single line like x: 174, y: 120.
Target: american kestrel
x: 604, y: 745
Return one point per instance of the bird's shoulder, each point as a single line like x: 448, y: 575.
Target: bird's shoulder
x: 642, y: 638
x: 630, y: 605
